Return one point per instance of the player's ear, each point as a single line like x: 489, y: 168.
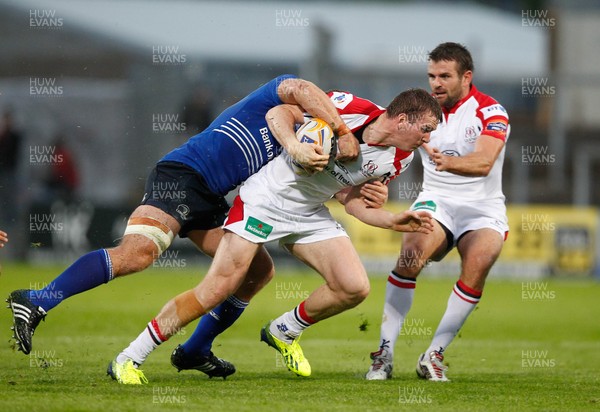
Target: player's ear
x: 402, y: 121
x: 467, y: 77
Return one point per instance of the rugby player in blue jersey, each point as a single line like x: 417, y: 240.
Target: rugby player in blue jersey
x: 184, y: 196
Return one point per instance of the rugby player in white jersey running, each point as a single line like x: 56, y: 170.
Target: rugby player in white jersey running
x: 462, y: 189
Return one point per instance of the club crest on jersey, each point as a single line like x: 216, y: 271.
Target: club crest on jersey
x: 369, y: 169
x: 470, y: 134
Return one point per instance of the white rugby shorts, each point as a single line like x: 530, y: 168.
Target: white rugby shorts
x: 462, y: 215
x: 262, y: 222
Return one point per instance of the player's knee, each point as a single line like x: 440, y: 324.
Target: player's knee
x: 362, y: 294
x: 262, y: 269
x: 352, y: 296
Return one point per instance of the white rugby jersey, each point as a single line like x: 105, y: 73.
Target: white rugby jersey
x: 278, y: 186
x: 477, y: 114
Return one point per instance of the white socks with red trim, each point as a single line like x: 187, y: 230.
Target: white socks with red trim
x: 290, y: 325
x: 143, y: 345
x: 461, y: 303
x: 399, y: 293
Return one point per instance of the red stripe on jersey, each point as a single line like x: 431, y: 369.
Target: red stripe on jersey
x: 349, y: 104
x: 236, y: 213
x: 400, y: 156
x: 374, y: 114
x: 397, y: 166
x: 499, y: 130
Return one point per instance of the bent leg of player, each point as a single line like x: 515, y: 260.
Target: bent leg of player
x: 417, y: 249
x: 478, y: 249
x: 346, y: 286
x: 226, y: 274
x: 148, y: 233
x: 201, y: 357
x: 196, y: 352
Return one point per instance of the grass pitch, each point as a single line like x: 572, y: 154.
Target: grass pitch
x: 528, y: 346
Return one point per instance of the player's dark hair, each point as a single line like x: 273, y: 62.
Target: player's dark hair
x: 453, y: 52
x: 414, y: 103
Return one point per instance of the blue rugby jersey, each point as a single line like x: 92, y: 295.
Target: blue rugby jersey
x: 236, y: 144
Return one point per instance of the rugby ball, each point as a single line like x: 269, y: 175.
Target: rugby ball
x: 316, y: 131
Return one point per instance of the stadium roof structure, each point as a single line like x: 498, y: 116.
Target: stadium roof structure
x: 380, y: 37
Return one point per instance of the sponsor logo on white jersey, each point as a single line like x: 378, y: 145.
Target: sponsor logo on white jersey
x: 341, y: 100
x: 493, y: 110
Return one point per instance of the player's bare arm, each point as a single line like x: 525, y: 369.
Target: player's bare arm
x: 407, y: 221
x: 477, y: 163
x: 374, y: 194
x: 281, y: 120
x: 316, y: 103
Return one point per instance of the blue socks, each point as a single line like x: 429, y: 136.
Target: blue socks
x: 89, y: 271
x: 95, y: 268
x: 213, y: 324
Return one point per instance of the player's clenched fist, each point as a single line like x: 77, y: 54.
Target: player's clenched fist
x: 309, y: 156
x: 348, y: 147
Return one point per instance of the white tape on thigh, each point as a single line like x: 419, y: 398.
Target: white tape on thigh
x: 161, y: 239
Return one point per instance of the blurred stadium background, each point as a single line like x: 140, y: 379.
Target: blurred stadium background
x: 97, y: 91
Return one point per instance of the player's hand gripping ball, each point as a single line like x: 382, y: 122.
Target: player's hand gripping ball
x: 316, y: 131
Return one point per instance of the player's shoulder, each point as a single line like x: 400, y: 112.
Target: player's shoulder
x: 400, y: 158
x: 345, y: 100
x: 282, y: 77
x: 273, y: 85
x: 340, y: 98
x: 488, y: 106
